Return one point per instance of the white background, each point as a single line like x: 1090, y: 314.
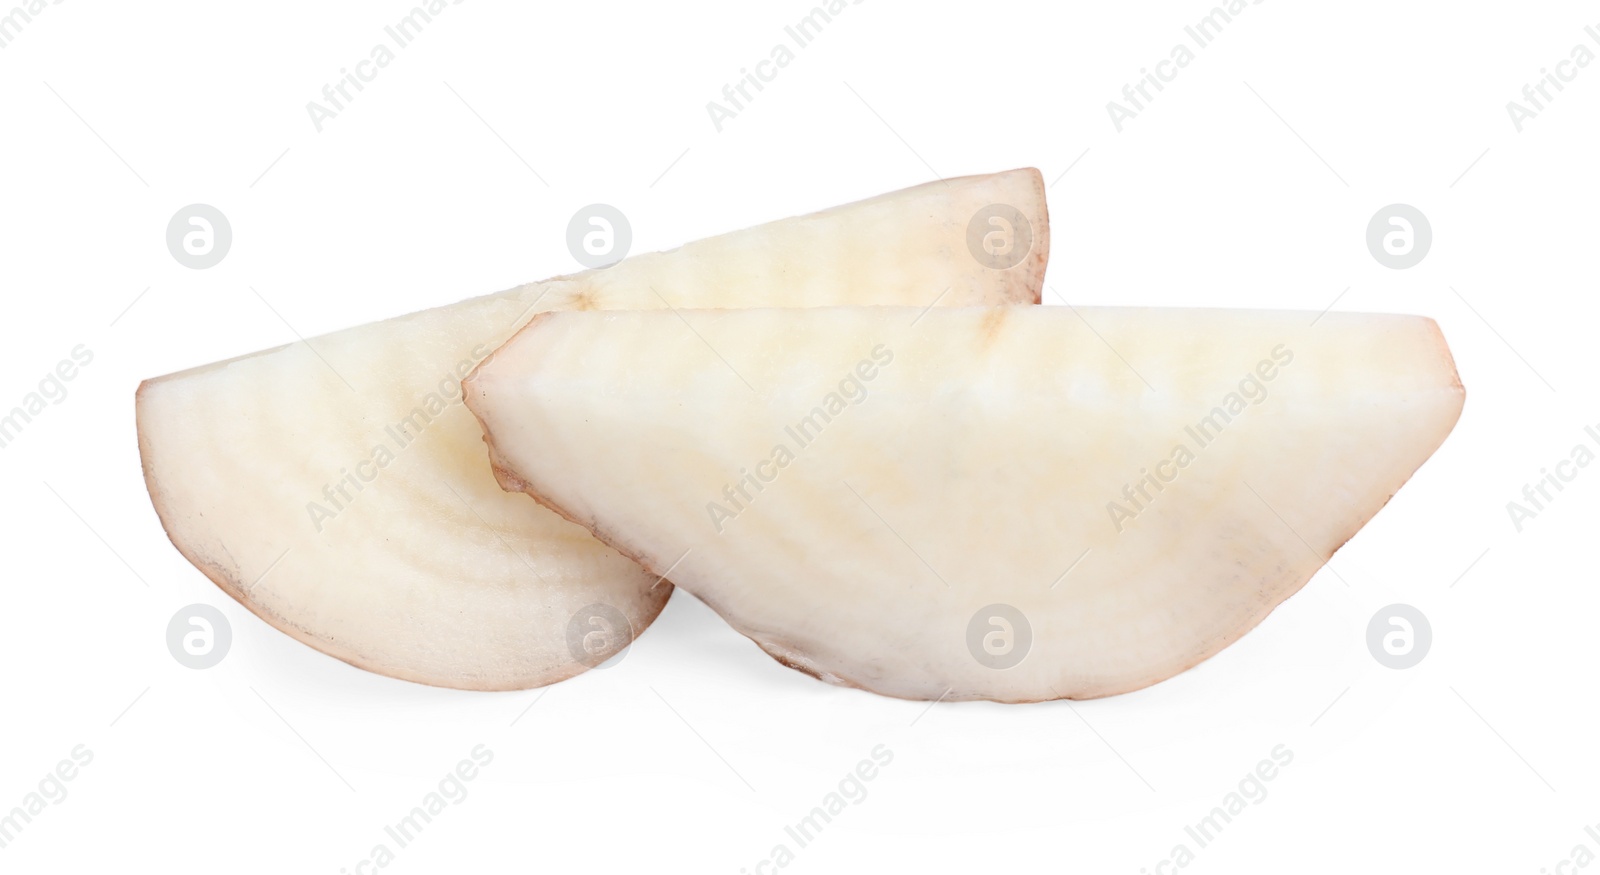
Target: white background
x: 696, y: 750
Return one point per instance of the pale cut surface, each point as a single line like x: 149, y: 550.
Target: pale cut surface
x: 1007, y: 457
x: 338, y: 489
